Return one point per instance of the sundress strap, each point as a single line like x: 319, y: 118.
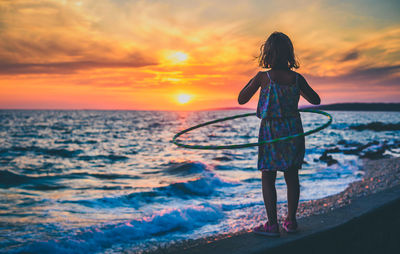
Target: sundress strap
x: 270, y: 81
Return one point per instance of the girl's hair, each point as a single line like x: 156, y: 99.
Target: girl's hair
x: 277, y: 53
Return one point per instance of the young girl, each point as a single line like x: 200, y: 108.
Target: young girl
x: 278, y: 110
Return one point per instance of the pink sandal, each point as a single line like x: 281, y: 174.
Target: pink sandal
x: 268, y: 230
x: 290, y: 226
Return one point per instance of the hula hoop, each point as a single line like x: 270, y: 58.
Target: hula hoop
x: 210, y: 147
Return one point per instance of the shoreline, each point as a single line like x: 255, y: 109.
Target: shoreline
x: 379, y: 175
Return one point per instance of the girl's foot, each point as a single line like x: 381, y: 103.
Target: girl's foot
x: 290, y: 226
x: 268, y: 230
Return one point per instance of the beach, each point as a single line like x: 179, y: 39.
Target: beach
x: 372, y: 201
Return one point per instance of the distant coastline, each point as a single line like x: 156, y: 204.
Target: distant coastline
x: 357, y: 107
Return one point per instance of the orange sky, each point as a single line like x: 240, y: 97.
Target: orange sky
x: 120, y: 54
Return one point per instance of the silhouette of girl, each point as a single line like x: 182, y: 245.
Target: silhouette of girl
x: 278, y: 110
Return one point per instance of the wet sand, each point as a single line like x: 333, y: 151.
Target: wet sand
x: 375, y: 196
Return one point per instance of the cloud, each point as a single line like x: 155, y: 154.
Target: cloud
x: 362, y: 77
x: 66, y: 67
x: 54, y: 38
x: 372, y: 72
x: 350, y: 56
x: 376, y: 49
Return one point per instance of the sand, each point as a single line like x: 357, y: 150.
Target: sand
x: 379, y: 175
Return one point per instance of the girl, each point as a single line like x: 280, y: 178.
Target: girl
x: 277, y: 108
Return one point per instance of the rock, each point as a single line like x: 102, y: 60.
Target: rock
x: 327, y: 158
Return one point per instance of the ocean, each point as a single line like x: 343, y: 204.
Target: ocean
x: 87, y: 181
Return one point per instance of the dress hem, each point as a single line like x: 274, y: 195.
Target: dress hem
x: 280, y: 169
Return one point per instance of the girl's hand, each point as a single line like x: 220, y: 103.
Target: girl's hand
x: 251, y: 88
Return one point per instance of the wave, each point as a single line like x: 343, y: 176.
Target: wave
x: 48, y: 182
x: 208, y: 184
x: 43, y: 183
x: 232, y: 167
x: 8, y: 178
x: 183, y: 168
x: 45, y: 187
x: 98, y: 238
x: 113, y: 176
x: 110, y: 158
x: 225, y: 167
x: 63, y: 153
x: 223, y: 158
x: 75, y: 141
x: 230, y: 207
x: 376, y: 126
x: 251, y: 180
x: 203, y: 186
x: 59, y: 152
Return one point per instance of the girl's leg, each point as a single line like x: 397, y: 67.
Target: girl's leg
x: 269, y: 195
x: 293, y: 192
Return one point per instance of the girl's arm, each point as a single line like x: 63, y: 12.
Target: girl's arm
x: 307, y: 92
x: 251, y: 88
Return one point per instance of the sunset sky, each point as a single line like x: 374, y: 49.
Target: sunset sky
x: 189, y: 55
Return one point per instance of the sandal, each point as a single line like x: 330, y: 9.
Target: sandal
x: 268, y: 230
x: 290, y: 226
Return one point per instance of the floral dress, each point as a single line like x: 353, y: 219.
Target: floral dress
x: 278, y: 110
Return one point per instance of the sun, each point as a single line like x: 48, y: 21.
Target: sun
x: 184, y: 98
x: 177, y: 57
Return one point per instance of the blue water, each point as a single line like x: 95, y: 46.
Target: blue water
x: 108, y: 181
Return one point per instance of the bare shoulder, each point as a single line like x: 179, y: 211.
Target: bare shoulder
x: 263, y: 75
x: 300, y: 77
x: 295, y: 73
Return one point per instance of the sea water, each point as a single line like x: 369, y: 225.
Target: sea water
x: 106, y: 181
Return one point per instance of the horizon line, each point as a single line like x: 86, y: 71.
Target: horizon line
x: 205, y: 109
